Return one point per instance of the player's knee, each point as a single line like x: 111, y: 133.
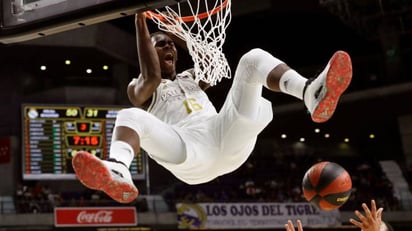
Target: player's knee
x: 131, y: 114
x: 250, y: 57
x: 248, y: 66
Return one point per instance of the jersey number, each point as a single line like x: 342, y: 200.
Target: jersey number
x: 191, y: 105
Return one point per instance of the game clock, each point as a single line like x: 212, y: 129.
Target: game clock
x: 81, y: 140
x: 53, y: 134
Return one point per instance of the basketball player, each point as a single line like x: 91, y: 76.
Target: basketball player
x: 371, y: 221
x: 174, y: 121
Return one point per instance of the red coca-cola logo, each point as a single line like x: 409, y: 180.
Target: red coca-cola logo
x: 95, y: 217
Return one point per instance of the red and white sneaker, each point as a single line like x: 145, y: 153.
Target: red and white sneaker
x: 111, y: 177
x: 321, y: 95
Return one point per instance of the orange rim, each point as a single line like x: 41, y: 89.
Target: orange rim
x: 150, y: 14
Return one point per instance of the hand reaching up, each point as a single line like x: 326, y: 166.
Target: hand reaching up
x: 371, y: 220
x: 290, y: 227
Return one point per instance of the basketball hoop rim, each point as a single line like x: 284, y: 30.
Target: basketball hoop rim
x: 150, y: 14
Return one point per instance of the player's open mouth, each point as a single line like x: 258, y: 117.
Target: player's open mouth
x: 169, y: 58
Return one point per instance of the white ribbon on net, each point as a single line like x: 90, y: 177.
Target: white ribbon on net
x: 204, y: 36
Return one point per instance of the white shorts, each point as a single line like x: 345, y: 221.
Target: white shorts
x: 219, y: 145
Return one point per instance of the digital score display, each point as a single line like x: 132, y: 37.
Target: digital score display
x: 52, y: 135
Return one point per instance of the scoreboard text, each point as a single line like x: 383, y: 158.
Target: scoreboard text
x: 52, y: 135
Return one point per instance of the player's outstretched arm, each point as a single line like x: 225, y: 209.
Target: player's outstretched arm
x: 140, y: 90
x: 371, y: 220
x: 290, y: 227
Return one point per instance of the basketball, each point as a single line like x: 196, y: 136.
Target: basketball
x: 326, y: 185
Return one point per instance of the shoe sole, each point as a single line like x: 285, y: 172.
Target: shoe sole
x: 338, y: 79
x: 92, y: 173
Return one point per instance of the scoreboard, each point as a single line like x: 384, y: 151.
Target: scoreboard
x: 53, y: 134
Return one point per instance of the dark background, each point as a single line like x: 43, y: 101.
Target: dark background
x: 303, y: 33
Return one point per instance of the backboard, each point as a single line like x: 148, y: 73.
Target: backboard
x: 22, y: 20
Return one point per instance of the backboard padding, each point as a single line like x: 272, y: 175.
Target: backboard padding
x: 23, y: 20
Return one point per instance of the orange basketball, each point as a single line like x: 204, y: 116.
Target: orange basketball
x: 327, y: 185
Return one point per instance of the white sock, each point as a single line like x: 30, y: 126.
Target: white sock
x: 292, y: 83
x: 121, y: 151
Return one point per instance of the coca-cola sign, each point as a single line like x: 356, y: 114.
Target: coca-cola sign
x: 95, y: 216
x: 87, y: 217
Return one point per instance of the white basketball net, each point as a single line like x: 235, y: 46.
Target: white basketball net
x: 204, y: 37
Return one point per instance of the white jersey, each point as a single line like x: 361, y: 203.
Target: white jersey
x: 175, y: 101
x: 181, y: 120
